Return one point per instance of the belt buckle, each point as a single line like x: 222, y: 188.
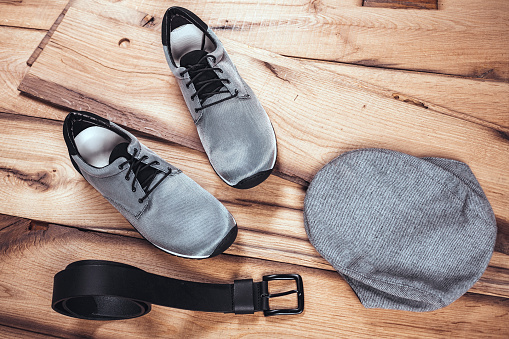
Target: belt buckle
x: 266, y: 295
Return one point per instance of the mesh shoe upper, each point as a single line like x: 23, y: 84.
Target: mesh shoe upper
x: 234, y: 129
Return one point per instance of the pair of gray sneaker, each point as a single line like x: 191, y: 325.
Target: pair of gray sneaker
x: 167, y: 207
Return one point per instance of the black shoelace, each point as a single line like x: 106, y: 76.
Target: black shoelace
x: 203, y: 94
x: 136, y: 166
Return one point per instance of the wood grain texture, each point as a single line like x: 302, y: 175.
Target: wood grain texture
x: 118, y: 11
x: 13, y: 67
x: 502, y: 236
x: 12, y: 332
x: 26, y: 290
x: 38, y: 181
x: 36, y: 175
x: 483, y: 102
x: 317, y: 114
x: 464, y: 37
x: 402, y: 4
x: 495, y: 278
x: 35, y: 14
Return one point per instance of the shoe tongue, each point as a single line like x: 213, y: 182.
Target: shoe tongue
x: 192, y: 58
x: 120, y: 151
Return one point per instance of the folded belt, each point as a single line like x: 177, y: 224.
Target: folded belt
x: 106, y: 290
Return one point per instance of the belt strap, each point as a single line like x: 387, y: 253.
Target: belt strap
x: 106, y: 290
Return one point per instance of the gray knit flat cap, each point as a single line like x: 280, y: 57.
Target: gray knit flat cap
x: 406, y: 233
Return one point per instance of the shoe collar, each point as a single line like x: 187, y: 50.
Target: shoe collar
x: 193, y: 19
x: 96, y: 121
x: 213, y: 58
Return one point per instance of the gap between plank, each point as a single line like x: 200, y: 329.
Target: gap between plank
x: 31, y: 28
x: 47, y: 37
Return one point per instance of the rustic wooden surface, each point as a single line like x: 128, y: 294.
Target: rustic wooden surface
x: 464, y: 37
x: 34, y: 256
x: 406, y: 4
x: 266, y: 214
x: 84, y: 67
x: 13, y: 67
x: 34, y: 14
x: 76, y: 73
x: 269, y: 216
x: 48, y: 35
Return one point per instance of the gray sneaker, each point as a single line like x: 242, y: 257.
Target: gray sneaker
x: 168, y: 208
x: 234, y: 129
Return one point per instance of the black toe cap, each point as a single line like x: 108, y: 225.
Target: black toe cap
x: 253, y: 180
x: 226, y: 242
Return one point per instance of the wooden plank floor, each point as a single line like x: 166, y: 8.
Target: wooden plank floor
x: 425, y: 93
x: 43, y: 251
x: 34, y: 14
x: 464, y: 37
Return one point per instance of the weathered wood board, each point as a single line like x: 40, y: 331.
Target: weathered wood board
x: 39, y: 182
x: 36, y: 176
x: 31, y: 258
x: 406, y: 4
x: 13, y: 57
x: 484, y: 102
x: 464, y: 37
x: 35, y: 14
x: 133, y: 87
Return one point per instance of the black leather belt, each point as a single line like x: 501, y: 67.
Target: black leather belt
x: 106, y: 290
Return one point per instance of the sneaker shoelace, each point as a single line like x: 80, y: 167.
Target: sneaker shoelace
x: 136, y: 166
x: 205, y: 88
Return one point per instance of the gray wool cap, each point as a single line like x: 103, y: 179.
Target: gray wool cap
x: 406, y: 233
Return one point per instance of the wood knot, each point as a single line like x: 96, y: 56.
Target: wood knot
x: 147, y: 21
x: 36, y: 225
x: 315, y: 6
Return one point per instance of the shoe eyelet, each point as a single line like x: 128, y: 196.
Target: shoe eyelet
x: 157, y: 163
x: 213, y: 58
x: 196, y: 110
x: 220, y: 70
x: 181, y: 74
x: 228, y: 81
x: 120, y: 167
x: 134, y: 189
x: 140, y: 200
x: 126, y: 178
